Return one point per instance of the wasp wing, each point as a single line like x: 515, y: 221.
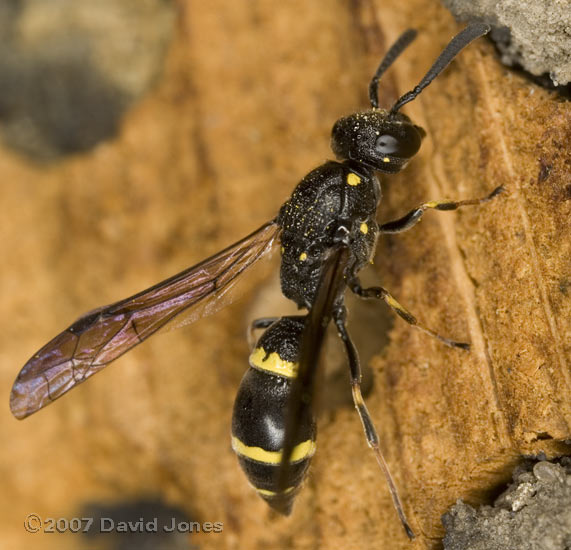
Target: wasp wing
x: 103, y: 335
x: 329, y: 294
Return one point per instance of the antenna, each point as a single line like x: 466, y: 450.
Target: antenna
x: 460, y: 41
x: 395, y: 50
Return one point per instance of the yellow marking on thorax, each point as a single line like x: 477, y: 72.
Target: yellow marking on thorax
x: 364, y: 228
x: 303, y: 450
x: 353, y: 179
x: 386, y: 159
x: 303, y: 257
x: 273, y: 363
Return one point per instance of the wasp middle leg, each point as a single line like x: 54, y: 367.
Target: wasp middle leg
x: 381, y: 293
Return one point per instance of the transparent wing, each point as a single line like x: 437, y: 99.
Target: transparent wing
x: 103, y: 335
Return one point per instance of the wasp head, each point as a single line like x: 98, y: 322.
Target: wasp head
x: 380, y: 139
x: 387, y: 140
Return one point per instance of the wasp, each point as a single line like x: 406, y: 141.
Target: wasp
x: 327, y: 233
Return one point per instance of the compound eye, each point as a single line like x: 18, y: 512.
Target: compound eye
x: 387, y: 145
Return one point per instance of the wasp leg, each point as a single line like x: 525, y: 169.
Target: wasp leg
x: 380, y: 293
x: 414, y: 216
x: 339, y: 316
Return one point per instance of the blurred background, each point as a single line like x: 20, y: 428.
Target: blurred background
x: 141, y: 136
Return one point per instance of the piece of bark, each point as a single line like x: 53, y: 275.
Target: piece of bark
x: 242, y: 111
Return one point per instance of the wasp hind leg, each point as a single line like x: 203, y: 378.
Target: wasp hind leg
x: 339, y: 317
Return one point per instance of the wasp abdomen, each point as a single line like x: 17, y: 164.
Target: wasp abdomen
x: 260, y: 409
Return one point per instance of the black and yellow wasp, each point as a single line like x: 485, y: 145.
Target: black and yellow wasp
x: 327, y: 230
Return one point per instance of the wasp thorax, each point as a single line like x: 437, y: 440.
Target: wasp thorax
x: 377, y: 138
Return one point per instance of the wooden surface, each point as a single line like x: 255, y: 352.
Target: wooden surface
x: 242, y: 111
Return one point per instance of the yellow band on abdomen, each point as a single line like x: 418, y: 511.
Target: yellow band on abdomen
x: 301, y: 451
x: 267, y: 493
x: 273, y: 363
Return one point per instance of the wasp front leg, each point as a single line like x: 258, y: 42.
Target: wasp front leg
x: 410, y: 219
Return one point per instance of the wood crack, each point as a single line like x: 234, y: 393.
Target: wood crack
x: 466, y: 288
x: 494, y: 109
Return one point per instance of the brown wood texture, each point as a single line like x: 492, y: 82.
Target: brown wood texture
x: 242, y: 111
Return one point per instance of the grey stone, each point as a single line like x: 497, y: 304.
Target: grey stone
x: 534, y: 513
x: 533, y: 34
